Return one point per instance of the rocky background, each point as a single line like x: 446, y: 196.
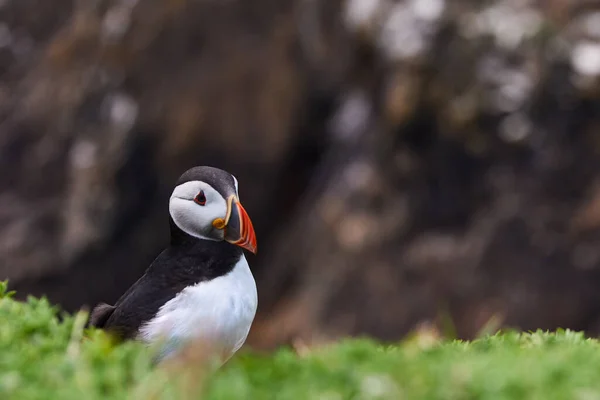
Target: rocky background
x: 404, y: 162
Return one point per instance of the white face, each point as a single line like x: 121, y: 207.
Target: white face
x: 195, y: 219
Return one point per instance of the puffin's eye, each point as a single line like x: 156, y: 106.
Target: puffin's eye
x: 200, y: 198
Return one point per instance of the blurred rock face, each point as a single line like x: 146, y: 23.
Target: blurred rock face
x: 408, y: 162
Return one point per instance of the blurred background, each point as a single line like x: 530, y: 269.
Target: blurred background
x: 405, y: 163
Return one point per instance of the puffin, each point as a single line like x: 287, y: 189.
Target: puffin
x: 200, y: 287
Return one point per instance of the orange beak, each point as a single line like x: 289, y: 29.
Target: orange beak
x: 238, y: 227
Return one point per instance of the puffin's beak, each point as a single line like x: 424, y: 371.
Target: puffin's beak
x: 238, y: 227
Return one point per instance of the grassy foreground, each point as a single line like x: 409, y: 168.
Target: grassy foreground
x: 44, y: 358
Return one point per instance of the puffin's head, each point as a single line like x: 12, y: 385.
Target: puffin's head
x: 205, y: 204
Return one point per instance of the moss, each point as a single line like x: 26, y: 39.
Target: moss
x: 561, y: 365
x: 46, y: 355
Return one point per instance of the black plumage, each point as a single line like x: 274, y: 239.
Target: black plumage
x: 220, y: 180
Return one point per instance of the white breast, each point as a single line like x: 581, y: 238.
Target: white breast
x: 219, y: 312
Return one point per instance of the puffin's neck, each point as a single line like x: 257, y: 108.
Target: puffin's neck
x: 208, y: 258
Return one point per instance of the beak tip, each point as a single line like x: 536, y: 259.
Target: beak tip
x: 251, y: 245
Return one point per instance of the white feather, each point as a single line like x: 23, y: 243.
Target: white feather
x: 235, y: 182
x: 219, y: 312
x: 194, y: 219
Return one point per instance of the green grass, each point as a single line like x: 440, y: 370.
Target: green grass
x: 43, y: 356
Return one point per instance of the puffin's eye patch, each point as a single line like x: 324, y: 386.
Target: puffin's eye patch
x: 200, y: 198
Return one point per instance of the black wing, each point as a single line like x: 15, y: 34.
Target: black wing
x: 142, y: 301
x: 138, y: 305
